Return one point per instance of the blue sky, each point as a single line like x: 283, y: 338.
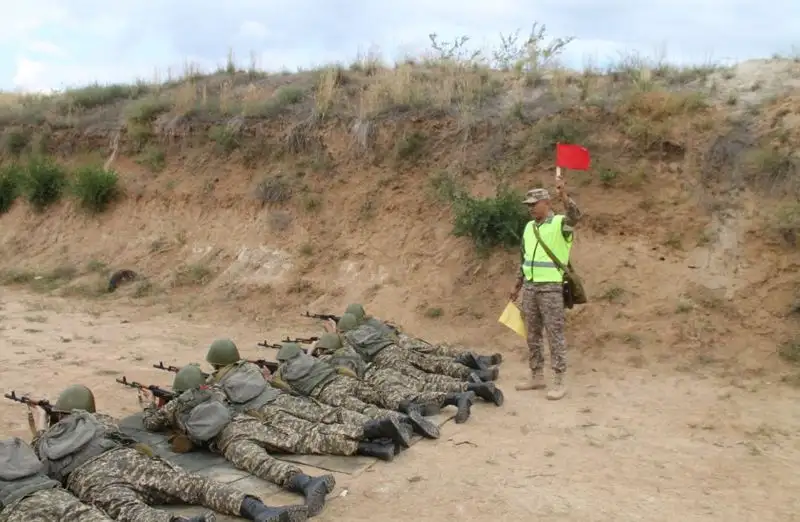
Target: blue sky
x: 52, y: 44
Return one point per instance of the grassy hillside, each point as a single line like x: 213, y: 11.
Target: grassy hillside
x: 400, y: 186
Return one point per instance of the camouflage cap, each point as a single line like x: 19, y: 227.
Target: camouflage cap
x: 536, y: 195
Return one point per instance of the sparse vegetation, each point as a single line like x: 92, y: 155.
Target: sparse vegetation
x: 790, y: 350
x: 44, y: 183
x: 11, y: 178
x: 95, y: 188
x: 493, y: 221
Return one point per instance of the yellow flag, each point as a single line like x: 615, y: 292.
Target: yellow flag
x: 512, y: 318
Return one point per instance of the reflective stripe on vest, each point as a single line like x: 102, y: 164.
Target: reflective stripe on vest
x: 537, y: 266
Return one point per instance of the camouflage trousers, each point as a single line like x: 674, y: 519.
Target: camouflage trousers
x: 420, y: 346
x: 418, y: 365
x: 351, y: 393
x: 543, y: 309
x: 311, y: 410
x: 395, y: 388
x: 287, y: 434
x: 52, y: 505
x: 125, y: 483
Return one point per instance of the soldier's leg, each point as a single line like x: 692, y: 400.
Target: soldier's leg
x: 430, y: 382
x: 534, y: 325
x: 551, y: 304
x: 306, y: 408
x: 336, y: 393
x: 52, y: 505
x: 253, y: 458
x: 125, y: 483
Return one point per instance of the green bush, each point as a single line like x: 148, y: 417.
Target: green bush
x: 10, y: 180
x: 491, y: 222
x: 95, y: 188
x: 44, y: 183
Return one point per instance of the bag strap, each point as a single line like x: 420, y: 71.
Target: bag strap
x: 549, y: 252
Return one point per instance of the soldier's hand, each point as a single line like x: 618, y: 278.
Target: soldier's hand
x: 266, y: 373
x: 145, y: 398
x: 38, y: 416
x: 560, y: 187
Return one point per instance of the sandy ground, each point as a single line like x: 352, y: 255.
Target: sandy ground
x: 626, y: 444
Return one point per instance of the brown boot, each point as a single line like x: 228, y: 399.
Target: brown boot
x: 559, y: 389
x: 536, y: 382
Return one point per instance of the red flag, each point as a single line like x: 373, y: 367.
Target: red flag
x: 572, y: 157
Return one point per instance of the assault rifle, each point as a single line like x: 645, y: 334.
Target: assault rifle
x: 301, y: 340
x: 270, y: 365
x: 323, y: 317
x: 41, y: 403
x: 174, y: 369
x: 277, y: 346
x: 157, y: 391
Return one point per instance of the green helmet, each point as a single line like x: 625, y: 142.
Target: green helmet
x: 329, y: 342
x: 76, y: 397
x: 288, y: 351
x: 347, y: 322
x: 188, y: 377
x: 356, y: 310
x: 222, y: 353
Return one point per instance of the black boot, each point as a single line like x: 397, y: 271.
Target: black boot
x: 314, y: 489
x: 253, y: 509
x: 430, y: 409
x: 469, y: 360
x: 462, y: 401
x: 390, y: 428
x: 486, y: 375
x: 377, y: 450
x: 487, y: 391
x: 490, y: 360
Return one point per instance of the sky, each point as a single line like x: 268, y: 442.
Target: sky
x: 56, y: 44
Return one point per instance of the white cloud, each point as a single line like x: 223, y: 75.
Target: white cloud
x: 122, y: 40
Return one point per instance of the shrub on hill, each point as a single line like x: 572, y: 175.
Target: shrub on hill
x: 95, y: 188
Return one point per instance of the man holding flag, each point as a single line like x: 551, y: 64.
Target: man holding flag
x: 541, y: 279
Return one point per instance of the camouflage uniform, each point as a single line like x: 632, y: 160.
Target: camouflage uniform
x: 543, y: 308
x: 286, y: 409
x: 425, y: 348
x: 246, y: 439
x: 341, y: 391
x: 125, y: 482
x: 28, y: 495
x: 51, y: 505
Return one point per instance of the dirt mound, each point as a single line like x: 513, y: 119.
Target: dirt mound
x: 266, y: 195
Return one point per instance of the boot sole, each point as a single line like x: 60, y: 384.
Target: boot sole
x: 463, y: 415
x: 498, y: 397
x: 399, y: 436
x: 428, y: 429
x: 315, y: 501
x: 289, y: 514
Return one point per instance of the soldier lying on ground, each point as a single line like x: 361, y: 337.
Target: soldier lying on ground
x: 102, y: 466
x: 204, y: 418
x: 248, y: 388
x: 465, y: 357
x: 393, y: 393
x: 308, y: 376
x: 248, y: 391
x: 394, y: 384
x: 383, y: 350
x: 27, y: 494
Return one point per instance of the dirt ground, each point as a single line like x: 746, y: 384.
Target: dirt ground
x: 650, y: 443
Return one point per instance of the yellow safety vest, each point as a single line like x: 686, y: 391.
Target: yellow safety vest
x: 537, y: 266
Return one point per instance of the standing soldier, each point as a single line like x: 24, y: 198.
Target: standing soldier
x: 542, y: 284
